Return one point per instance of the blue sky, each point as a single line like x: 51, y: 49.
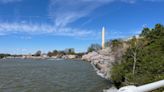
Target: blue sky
x: 30, y: 25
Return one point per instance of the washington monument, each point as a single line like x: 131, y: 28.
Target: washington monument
x: 103, y: 37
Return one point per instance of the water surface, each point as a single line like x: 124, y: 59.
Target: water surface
x: 19, y: 75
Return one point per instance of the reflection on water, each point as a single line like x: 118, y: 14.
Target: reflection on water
x: 49, y: 76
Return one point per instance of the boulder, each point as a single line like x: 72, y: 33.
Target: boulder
x: 69, y: 56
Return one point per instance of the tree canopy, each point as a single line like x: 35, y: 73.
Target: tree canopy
x: 94, y: 47
x: 149, y: 66
x: 38, y: 53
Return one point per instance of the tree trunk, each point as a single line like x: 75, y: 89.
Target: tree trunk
x: 134, y: 62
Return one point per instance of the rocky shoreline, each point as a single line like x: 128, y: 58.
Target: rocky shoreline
x: 100, y: 61
x: 103, y: 60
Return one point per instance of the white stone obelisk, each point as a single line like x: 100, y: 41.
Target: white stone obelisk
x: 103, y: 37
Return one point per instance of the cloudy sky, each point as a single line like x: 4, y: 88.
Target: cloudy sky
x: 30, y: 25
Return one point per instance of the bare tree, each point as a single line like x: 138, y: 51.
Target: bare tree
x: 135, y: 45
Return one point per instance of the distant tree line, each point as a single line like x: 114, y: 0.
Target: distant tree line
x: 55, y: 53
x: 69, y: 51
x: 58, y: 53
x: 4, y: 55
x: 94, y: 47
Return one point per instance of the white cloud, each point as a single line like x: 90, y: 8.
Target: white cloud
x: 64, y: 12
x: 9, y: 1
x: 22, y: 49
x: 40, y: 29
x: 2, y: 34
x: 25, y: 37
x: 68, y: 11
x: 129, y: 1
x: 155, y: 0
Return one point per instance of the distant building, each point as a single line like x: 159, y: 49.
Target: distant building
x: 69, y: 50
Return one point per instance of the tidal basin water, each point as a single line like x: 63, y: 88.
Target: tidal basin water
x: 20, y: 75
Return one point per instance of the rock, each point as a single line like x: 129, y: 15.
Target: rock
x: 69, y: 56
x: 112, y: 89
x: 54, y: 57
x: 72, y: 56
x: 95, y: 62
x: 101, y: 66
